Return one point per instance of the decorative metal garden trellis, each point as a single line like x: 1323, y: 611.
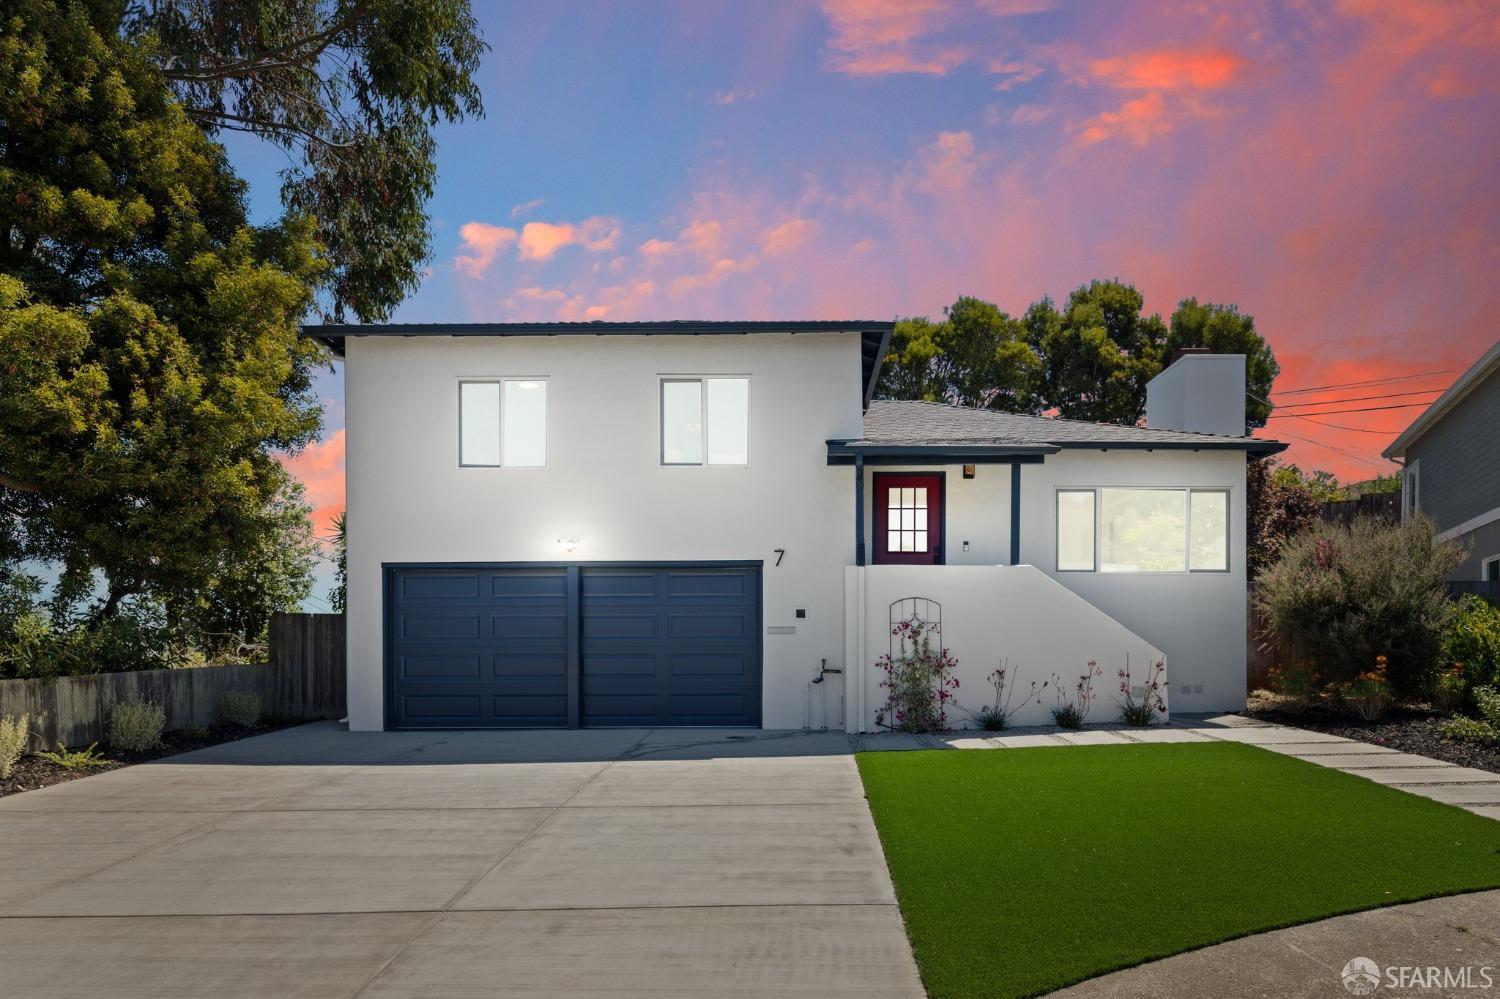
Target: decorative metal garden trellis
x: 928, y: 612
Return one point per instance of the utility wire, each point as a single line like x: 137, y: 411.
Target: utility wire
x: 1358, y: 398
x: 1362, y: 409
x: 1337, y: 450
x: 1369, y: 381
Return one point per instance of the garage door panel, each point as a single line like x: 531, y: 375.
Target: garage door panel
x: 689, y: 585
x: 439, y: 665
x: 520, y: 624
x: 603, y: 584
x: 708, y: 664
x: 708, y: 625
x: 439, y: 626
x: 544, y: 587
x: 438, y: 585
x: 616, y: 625
x: 508, y: 664
x: 445, y: 707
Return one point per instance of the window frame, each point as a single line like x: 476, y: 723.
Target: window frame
x: 501, y: 381
x: 1187, y: 534
x: 661, y: 419
x: 1484, y: 567
x: 1411, y: 488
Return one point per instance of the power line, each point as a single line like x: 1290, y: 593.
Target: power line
x: 1359, y: 398
x: 1337, y: 450
x: 1363, y: 409
x: 1340, y: 426
x: 1369, y: 381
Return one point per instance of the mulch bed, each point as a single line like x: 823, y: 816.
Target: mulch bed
x: 1407, y: 730
x: 33, y: 772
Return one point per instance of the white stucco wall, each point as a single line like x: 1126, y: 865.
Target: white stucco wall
x: 1196, y: 618
x: 1015, y: 614
x: 409, y: 501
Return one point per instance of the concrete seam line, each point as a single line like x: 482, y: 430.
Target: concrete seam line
x: 460, y: 912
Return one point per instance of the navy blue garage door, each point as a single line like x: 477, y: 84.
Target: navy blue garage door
x: 493, y: 647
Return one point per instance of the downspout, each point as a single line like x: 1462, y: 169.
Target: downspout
x: 1015, y: 513
x: 859, y: 509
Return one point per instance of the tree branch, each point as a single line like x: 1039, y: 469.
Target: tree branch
x: 18, y: 485
x: 257, y: 125
x: 272, y: 58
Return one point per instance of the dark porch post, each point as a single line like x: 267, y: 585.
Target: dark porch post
x: 859, y: 509
x: 1015, y: 513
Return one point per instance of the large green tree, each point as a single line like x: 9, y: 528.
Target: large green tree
x: 1089, y: 360
x: 150, y: 363
x: 977, y: 356
x: 351, y: 90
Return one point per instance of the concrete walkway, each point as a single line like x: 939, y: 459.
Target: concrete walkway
x: 1477, y: 791
x: 319, y: 863
x: 1457, y: 933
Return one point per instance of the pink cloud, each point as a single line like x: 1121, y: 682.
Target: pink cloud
x: 483, y: 241
x: 320, y: 469
x: 877, y: 37
x: 949, y: 163
x: 1169, y: 69
x: 1014, y: 72
x: 540, y: 240
x: 720, y: 270
x: 526, y: 207
x: 1139, y: 120
x: 1030, y: 114
x: 788, y: 235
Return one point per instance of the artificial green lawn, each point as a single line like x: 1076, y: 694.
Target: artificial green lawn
x: 1023, y: 870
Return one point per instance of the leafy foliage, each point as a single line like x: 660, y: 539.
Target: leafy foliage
x: 75, y: 759
x: 13, y: 735
x: 1349, y: 594
x: 919, y: 680
x: 1089, y: 360
x: 240, y: 707
x: 1276, y: 510
x: 338, y: 597
x: 136, y: 726
x: 351, y: 90
x: 1472, y: 643
x: 1074, y: 701
x: 1485, y: 728
x: 150, y: 362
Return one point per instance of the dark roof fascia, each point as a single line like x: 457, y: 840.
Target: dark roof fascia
x: 1253, y: 446
x: 845, y: 452
x: 875, y: 335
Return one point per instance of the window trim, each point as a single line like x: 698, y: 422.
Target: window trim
x: 1411, y: 499
x: 501, y: 380
x: 1484, y: 566
x: 1187, y: 536
x: 661, y: 419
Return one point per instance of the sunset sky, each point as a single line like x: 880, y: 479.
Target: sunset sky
x: 1331, y: 168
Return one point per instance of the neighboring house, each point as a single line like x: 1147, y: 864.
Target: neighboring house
x: 1451, y: 466
x: 593, y: 524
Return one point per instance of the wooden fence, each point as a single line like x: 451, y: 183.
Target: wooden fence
x: 304, y: 679
x: 1383, y: 506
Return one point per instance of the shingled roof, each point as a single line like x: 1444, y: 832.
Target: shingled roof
x: 916, y: 425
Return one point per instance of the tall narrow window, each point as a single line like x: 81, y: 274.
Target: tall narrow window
x: 1208, y: 526
x: 705, y: 421
x: 503, y: 423
x: 1075, y: 530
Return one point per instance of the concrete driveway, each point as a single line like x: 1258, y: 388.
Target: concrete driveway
x: 315, y: 862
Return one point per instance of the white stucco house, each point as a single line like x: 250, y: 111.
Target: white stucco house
x: 712, y: 523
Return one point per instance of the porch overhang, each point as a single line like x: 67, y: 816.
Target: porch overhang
x: 848, y: 452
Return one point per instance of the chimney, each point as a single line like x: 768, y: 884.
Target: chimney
x: 1199, y: 392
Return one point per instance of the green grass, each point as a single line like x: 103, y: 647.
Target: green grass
x: 1023, y: 870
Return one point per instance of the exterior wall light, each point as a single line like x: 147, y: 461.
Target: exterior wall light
x: 568, y: 544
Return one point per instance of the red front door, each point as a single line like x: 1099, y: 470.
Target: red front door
x: 908, y: 519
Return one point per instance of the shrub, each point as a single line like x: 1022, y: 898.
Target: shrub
x: 1368, y: 695
x: 919, y: 681
x: 1298, y: 685
x: 1472, y: 642
x: 80, y: 759
x: 1074, y: 701
x: 13, y: 733
x: 1140, y: 713
x: 1348, y: 594
x: 1485, y: 728
x: 996, y: 717
x: 136, y: 638
x: 240, y: 707
x: 135, y: 726
x: 1450, y: 691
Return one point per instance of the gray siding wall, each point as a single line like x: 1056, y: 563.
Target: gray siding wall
x: 1460, y: 456
x: 1482, y: 543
